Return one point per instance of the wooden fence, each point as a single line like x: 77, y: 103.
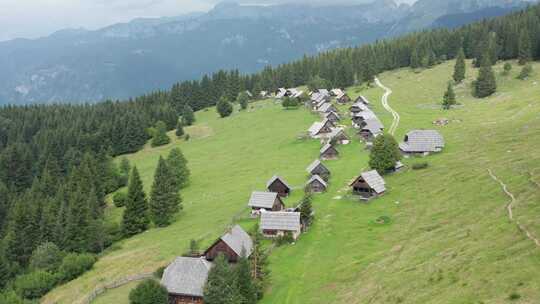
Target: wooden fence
x: 115, y: 284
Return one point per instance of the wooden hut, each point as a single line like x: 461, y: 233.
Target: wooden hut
x: 327, y: 108
x: 320, y: 129
x: 185, y: 279
x: 278, y: 185
x: 316, y: 184
x: 368, y: 185
x: 333, y: 117
x: 422, y: 142
x: 371, y: 129
x: 275, y: 224
x: 267, y: 201
x: 233, y: 244
x: 329, y: 152
x: 338, y: 136
x: 363, y: 100
x: 317, y: 168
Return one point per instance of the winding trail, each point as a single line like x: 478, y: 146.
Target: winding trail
x: 384, y: 100
x: 509, y: 209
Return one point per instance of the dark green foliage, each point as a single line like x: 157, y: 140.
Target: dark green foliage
x: 285, y: 239
x: 73, y: 265
x: 120, y: 198
x: 188, y: 117
x: 11, y: 297
x: 222, y: 284
x: 136, y: 217
x: 317, y: 82
x: 507, y: 69
x: 224, y: 107
x: 524, y: 47
x: 4, y: 205
x: 306, y: 210
x: 158, y: 274
x: 246, y: 284
x: 514, y: 296
x: 46, y: 256
x: 125, y: 166
x: 178, y: 166
x: 449, y: 98
x: 179, y: 129
x: 460, y: 67
x: 5, y: 270
x: 384, y: 154
x: 34, y: 284
x: 420, y: 165
x: 288, y: 103
x: 160, y: 137
x: 16, y: 167
x: 526, y: 71
x: 243, y: 100
x: 164, y: 198
x: 149, y: 292
x: 259, y: 262
x: 486, y: 84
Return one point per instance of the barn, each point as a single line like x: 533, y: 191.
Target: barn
x: 275, y: 224
x: 372, y: 128
x: 317, y: 168
x: 329, y: 152
x: 422, y: 142
x: 368, y: 185
x: 316, y: 184
x: 234, y: 244
x: 278, y: 185
x: 267, y: 201
x: 184, y: 280
x: 339, y: 136
x: 319, y: 129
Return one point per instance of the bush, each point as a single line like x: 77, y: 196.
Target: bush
x: 10, y: 297
x: 46, y: 256
x: 149, y: 292
x: 73, y: 265
x: 420, y: 166
x: 224, y: 107
x: 159, y: 272
x: 514, y: 296
x: 119, y: 198
x: 526, y: 71
x: 34, y: 284
x: 285, y: 239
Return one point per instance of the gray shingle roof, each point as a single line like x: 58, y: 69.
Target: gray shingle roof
x: 374, y: 180
x: 317, y: 178
x: 422, y: 141
x: 373, y: 125
x: 186, y: 276
x: 238, y: 240
x: 327, y: 107
x: 362, y: 99
x: 288, y: 221
x: 274, y: 178
x: 314, y: 165
x: 332, y: 114
x: 260, y: 199
x: 338, y: 132
x: 325, y: 147
x: 317, y: 126
x: 360, y: 106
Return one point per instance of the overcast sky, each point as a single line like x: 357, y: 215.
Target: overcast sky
x: 36, y: 18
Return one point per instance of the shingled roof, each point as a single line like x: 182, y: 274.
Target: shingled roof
x: 238, y: 240
x: 286, y: 221
x: 422, y: 141
x: 261, y: 199
x: 327, y: 107
x: 317, y: 178
x: 373, y: 125
x: 274, y: 178
x: 317, y: 126
x: 374, y: 180
x: 325, y: 147
x: 186, y: 276
x: 314, y: 165
x: 362, y: 99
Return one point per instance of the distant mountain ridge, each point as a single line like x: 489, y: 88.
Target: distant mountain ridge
x: 132, y: 58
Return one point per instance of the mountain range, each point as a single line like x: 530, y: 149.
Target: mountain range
x: 129, y: 59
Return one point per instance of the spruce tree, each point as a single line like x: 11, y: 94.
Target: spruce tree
x: 306, y: 210
x: 178, y: 166
x: 486, y: 84
x: 243, y: 100
x: 179, y: 129
x: 222, y: 284
x: 259, y: 262
x: 164, y: 198
x: 459, y: 69
x: 160, y: 135
x: 524, y: 47
x: 384, y: 154
x: 246, y: 285
x: 4, y: 205
x: 449, y: 98
x: 135, y: 219
x: 224, y: 107
x: 188, y: 117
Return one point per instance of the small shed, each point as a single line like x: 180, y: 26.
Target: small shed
x: 328, y: 152
x: 327, y: 108
x: 422, y: 142
x: 233, y: 244
x: 280, y: 93
x: 319, y: 129
x: 333, y: 117
x: 318, y: 168
x: 185, y: 278
x: 359, y: 118
x: 368, y: 185
x: 371, y: 129
x: 336, y: 92
x: 358, y: 107
x: 343, y: 98
x: 316, y: 184
x: 275, y: 224
x: 278, y: 185
x: 339, y: 136
x: 324, y: 92
x: 268, y: 201
x: 363, y: 100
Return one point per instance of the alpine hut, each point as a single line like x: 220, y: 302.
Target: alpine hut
x: 368, y: 185
x: 333, y: 117
x: 278, y: 185
x: 321, y: 129
x: 339, y: 136
x: 328, y: 152
x: 372, y: 128
x: 327, y: 108
x: 422, y: 142
x: 267, y: 201
x: 185, y: 279
x: 274, y: 224
x: 317, y: 168
x: 316, y: 184
x: 234, y: 244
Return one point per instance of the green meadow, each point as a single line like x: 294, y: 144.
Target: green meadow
x: 449, y: 239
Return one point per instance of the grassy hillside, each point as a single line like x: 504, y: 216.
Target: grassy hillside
x: 449, y: 239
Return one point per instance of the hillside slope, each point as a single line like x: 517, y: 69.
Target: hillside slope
x: 449, y: 239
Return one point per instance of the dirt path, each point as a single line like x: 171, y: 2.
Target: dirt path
x: 509, y: 209
x: 384, y: 100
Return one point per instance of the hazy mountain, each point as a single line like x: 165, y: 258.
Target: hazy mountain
x: 146, y: 54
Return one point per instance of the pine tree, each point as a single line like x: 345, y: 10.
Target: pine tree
x: 135, y: 219
x: 188, y: 117
x: 384, y: 154
x: 243, y: 100
x: 459, y: 69
x: 449, y: 98
x: 125, y: 166
x: 246, y: 285
x: 164, y: 198
x: 524, y: 47
x: 4, y: 205
x: 306, y: 210
x: 222, y: 284
x: 486, y: 84
x: 224, y: 107
x: 178, y: 166
x: 179, y: 129
x: 160, y: 135
x: 259, y: 262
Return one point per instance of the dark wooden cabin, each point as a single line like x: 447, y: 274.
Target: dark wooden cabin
x: 328, y: 152
x: 317, y: 168
x: 368, y: 185
x: 278, y: 185
x: 316, y: 184
x: 269, y: 201
x: 232, y: 244
x: 184, y: 280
